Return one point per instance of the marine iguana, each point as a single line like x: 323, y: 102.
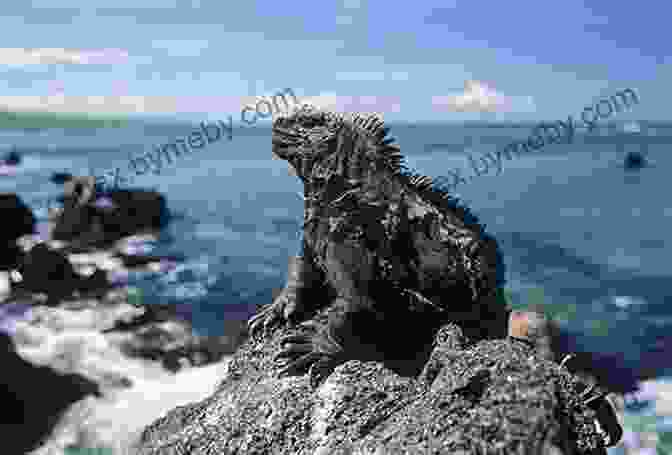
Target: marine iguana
x: 395, y: 256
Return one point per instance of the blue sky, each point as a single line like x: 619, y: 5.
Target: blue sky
x: 196, y: 58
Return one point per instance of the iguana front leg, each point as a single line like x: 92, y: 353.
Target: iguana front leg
x: 301, y: 275
x: 352, y: 325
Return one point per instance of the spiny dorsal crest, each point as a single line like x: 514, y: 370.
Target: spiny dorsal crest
x: 312, y: 128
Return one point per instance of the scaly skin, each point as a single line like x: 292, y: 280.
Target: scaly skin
x: 397, y: 256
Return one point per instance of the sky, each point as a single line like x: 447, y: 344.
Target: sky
x: 448, y: 60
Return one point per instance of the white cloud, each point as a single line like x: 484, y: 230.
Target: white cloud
x: 477, y: 97
x: 363, y: 104
x: 21, y: 56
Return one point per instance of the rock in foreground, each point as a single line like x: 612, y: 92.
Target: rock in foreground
x: 490, y: 397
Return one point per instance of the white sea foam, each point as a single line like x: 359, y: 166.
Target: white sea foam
x: 70, y: 341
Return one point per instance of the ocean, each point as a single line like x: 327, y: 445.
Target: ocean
x: 576, y: 229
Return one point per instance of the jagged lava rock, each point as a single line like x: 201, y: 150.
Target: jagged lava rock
x: 494, y: 396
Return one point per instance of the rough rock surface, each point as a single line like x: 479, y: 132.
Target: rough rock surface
x: 407, y: 350
x: 494, y: 396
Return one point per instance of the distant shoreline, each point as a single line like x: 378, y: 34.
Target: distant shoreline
x: 40, y: 120
x: 18, y: 120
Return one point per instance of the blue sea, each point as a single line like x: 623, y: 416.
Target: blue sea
x: 576, y: 229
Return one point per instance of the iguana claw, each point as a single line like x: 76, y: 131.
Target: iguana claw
x: 316, y: 353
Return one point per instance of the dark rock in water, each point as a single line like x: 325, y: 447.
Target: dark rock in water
x: 33, y: 399
x: 48, y: 271
x: 140, y: 260
x: 78, y: 218
x: 634, y: 160
x: 18, y: 220
x: 13, y: 158
x: 138, y: 210
x: 99, y: 219
x: 60, y: 177
x: 389, y: 336
x: 10, y: 256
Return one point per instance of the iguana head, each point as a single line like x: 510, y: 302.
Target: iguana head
x: 319, y: 144
x: 300, y: 137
